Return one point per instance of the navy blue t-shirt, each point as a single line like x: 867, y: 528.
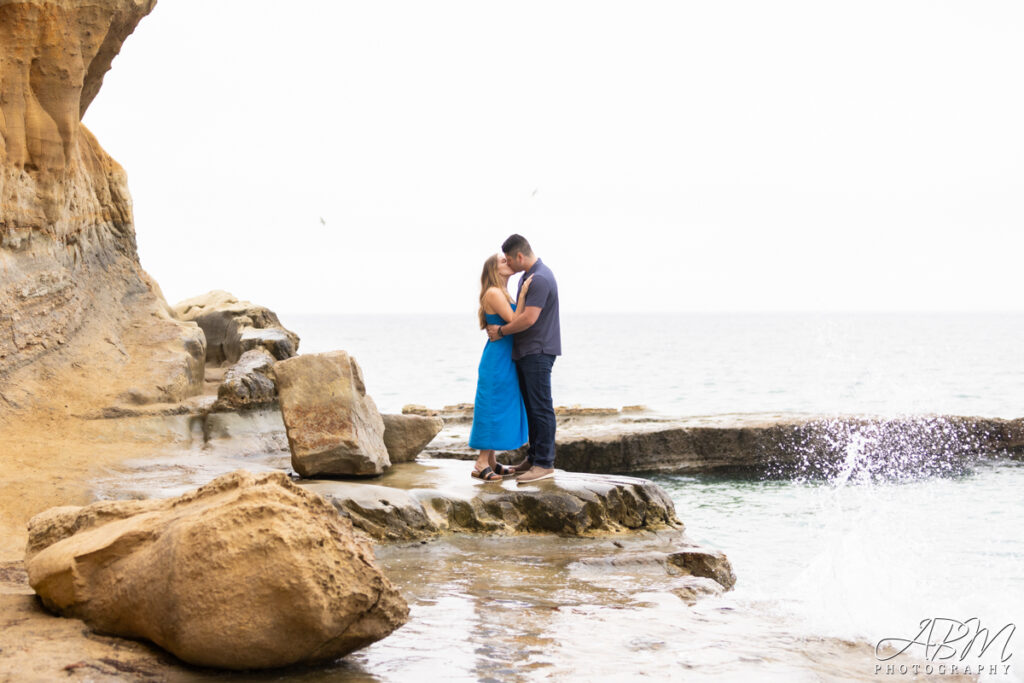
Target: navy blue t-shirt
x: 545, y: 335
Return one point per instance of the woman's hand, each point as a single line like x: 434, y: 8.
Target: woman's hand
x: 526, y: 286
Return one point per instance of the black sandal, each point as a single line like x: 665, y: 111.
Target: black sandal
x: 487, y: 474
x: 505, y: 470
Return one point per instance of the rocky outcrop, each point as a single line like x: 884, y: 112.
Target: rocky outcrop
x: 418, y: 500
x: 333, y: 426
x: 463, y: 412
x: 80, y: 322
x: 233, y: 327
x: 405, y: 436
x: 460, y: 412
x: 248, y: 383
x: 846, y: 446
x: 249, y: 571
x: 888, y: 448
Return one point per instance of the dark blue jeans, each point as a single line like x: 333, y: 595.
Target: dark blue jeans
x: 535, y: 384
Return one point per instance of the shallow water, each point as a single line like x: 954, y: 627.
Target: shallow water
x: 547, y: 608
x: 531, y: 607
x: 868, y: 560
x: 826, y: 568
x: 824, y: 572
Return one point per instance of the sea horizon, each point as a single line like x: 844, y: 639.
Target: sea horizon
x: 688, y: 364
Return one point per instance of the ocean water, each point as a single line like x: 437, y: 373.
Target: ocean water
x: 702, y: 364
x: 870, y: 560
x: 855, y: 558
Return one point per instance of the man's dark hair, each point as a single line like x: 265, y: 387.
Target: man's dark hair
x: 516, y: 244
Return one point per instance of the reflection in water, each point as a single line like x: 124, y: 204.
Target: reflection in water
x: 524, y: 608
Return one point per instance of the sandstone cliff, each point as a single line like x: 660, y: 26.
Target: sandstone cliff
x: 81, y: 324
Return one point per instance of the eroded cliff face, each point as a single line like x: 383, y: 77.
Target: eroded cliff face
x: 80, y: 322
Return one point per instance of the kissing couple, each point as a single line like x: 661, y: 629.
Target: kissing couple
x: 513, y: 390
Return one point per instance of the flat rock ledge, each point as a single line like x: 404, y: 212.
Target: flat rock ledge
x: 770, y: 445
x: 422, y: 499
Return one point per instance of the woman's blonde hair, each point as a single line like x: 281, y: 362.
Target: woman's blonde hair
x: 490, y: 278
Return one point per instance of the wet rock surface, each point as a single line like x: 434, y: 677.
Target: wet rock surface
x: 695, y: 565
x: 333, y: 426
x: 416, y: 500
x: 249, y: 571
x: 709, y: 564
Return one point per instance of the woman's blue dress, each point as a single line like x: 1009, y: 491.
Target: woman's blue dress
x: 499, y: 416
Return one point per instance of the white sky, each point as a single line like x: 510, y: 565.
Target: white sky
x: 695, y: 156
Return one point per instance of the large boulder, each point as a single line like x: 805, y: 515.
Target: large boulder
x: 233, y: 326
x: 333, y: 427
x: 406, y: 435
x: 249, y: 382
x: 249, y: 571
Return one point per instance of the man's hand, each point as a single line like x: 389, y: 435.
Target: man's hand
x: 492, y: 332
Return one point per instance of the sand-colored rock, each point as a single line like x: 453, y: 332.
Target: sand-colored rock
x: 463, y: 412
x: 249, y: 571
x: 417, y: 409
x: 233, y: 326
x: 580, y: 411
x: 709, y: 564
x: 333, y: 426
x: 249, y: 382
x: 80, y: 323
x: 405, y: 436
x: 458, y: 413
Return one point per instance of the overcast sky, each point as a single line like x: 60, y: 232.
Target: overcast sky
x: 660, y: 156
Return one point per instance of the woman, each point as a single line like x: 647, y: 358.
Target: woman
x: 499, y: 416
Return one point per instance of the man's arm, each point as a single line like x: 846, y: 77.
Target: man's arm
x: 520, y: 323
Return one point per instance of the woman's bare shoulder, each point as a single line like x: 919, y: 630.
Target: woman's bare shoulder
x: 495, y: 293
x: 493, y: 299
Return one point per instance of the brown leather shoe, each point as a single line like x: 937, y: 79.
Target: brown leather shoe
x: 535, y: 474
x: 523, y: 465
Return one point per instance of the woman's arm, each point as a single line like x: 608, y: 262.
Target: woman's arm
x: 497, y: 302
x: 524, y: 318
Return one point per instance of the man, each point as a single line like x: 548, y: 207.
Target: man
x: 536, y: 342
